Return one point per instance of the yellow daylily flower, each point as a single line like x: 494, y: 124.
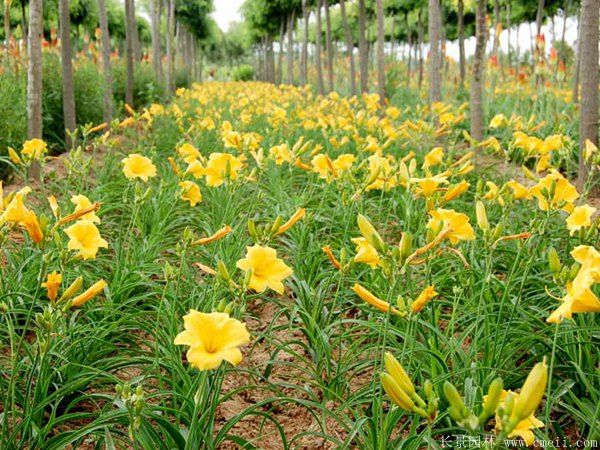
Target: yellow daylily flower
x: 456, y: 225
x: 85, y: 238
x: 581, y: 217
x: 190, y: 192
x: 138, y: 166
x: 268, y: 271
x: 221, y: 168
x: 424, y: 297
x: 52, y: 284
x: 212, y: 338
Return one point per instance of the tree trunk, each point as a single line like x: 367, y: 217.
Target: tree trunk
x: 478, y: 74
x: 435, y: 72
x: 155, y: 11
x: 349, y: 47
x: 362, y: 47
x: 497, y: 31
x: 7, y: 24
x: 461, y: 41
x: 320, y: 83
x: 380, y: 53
x: 304, y: 54
x: 328, y: 46
x: 539, y: 17
x: 67, y: 70
x: 170, y: 37
x: 290, y: 47
x: 393, y: 38
x: 34, y: 70
x: 280, y: 55
x: 588, y: 122
x: 420, y: 45
x: 130, y: 57
x: 508, y: 27
x: 108, y: 94
x: 409, y: 62
x: 24, y: 23
x: 270, y: 62
x: 575, y: 94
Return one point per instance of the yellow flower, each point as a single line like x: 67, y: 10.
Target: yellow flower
x: 344, y: 162
x: 196, y: 169
x: 280, y: 153
x: 323, y: 165
x: 138, y: 166
x: 16, y: 211
x: 554, y: 191
x: 52, y: 283
x: 366, y: 253
x: 89, y: 293
x: 233, y: 139
x: 493, y: 193
x: 219, y: 234
x: 589, y: 150
x: 31, y: 223
x: 434, y: 157
x: 212, y: 338
x: 582, y: 302
x: 85, y: 238
x: 498, y: 120
x: 426, y: 187
x: 268, y: 271
x: 372, y: 300
x: 456, y: 225
x: 190, y: 192
x: 518, y: 190
x: 532, y: 391
x: 34, y: 148
x: 524, y: 427
x: 456, y: 190
x: 424, y: 297
x: 298, y: 215
x: 53, y: 206
x: 581, y: 217
x: 81, y: 203
x: 221, y: 167
x: 334, y: 262
x: 188, y: 152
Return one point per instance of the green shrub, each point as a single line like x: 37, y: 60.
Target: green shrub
x: 245, y: 72
x: 146, y: 88
x: 13, y: 114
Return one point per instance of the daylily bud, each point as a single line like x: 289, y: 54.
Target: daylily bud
x: 276, y: 225
x: 405, y: 244
x: 252, y: 229
x: 482, y: 220
x: 73, y: 289
x: 574, y: 270
x: 370, y: 233
x: 222, y: 271
x: 532, y: 391
x: 396, y: 393
x: 554, y: 260
x: 492, y: 400
x: 455, y: 399
x: 398, y: 373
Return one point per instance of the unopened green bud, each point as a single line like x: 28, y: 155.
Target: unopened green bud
x: 276, y: 225
x: 554, y: 261
x: 454, y: 398
x: 492, y: 399
x: 405, y: 244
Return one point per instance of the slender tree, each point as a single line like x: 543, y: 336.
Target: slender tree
x: 290, y: 46
x: 362, y: 46
x: 435, y: 61
x: 170, y: 47
x: 130, y: 25
x: 588, y: 123
x: 155, y: 13
x: 67, y: 70
x: 478, y: 73
x: 34, y: 70
x: 7, y: 4
x: 304, y: 54
x: 349, y: 46
x: 329, y: 47
x: 318, y: 50
x: 460, y: 10
x: 380, y: 53
x: 106, y: 68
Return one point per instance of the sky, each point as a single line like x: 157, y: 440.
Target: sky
x: 227, y: 11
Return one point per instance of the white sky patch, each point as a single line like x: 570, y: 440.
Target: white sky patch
x: 226, y: 12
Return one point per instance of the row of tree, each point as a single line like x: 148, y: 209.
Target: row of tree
x: 355, y: 25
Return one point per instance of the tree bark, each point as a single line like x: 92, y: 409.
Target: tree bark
x: 362, y: 46
x: 380, y: 53
x: 588, y: 122
x: 420, y: 47
x: 7, y: 24
x: 435, y: 72
x: 290, y: 47
x: 539, y: 17
x: 304, y: 54
x: 328, y: 46
x: 34, y: 70
x: 349, y: 46
x: 478, y: 74
x: 575, y: 93
x: 280, y: 55
x: 67, y: 70
x: 108, y: 94
x: 320, y: 83
x: 460, y: 10
x: 170, y: 37
x: 129, y: 50
x: 155, y: 13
